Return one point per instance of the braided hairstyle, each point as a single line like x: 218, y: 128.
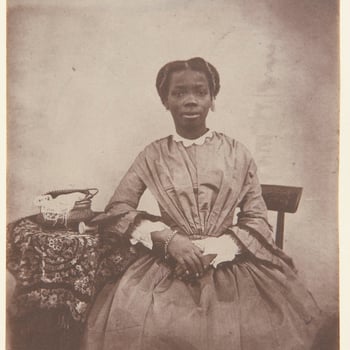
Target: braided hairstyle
x: 197, y: 64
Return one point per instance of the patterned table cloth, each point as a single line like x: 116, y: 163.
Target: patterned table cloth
x: 60, y: 269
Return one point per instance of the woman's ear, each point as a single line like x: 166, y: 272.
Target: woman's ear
x: 212, y: 107
x: 166, y: 105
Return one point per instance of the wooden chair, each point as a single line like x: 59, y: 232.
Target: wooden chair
x: 283, y: 199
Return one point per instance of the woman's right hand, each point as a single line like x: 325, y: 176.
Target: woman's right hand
x: 180, y: 272
x: 186, y: 254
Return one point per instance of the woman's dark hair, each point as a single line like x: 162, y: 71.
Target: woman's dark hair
x: 197, y: 64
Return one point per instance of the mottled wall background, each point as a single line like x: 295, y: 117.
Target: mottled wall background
x: 82, y: 101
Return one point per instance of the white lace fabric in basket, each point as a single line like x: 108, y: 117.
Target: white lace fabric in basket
x: 57, y: 209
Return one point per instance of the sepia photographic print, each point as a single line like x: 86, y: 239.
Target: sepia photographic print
x: 172, y: 175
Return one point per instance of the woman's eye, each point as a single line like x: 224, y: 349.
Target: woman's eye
x: 202, y: 92
x: 178, y: 93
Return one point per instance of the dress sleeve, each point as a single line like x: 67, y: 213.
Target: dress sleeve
x: 253, y: 230
x: 121, y: 215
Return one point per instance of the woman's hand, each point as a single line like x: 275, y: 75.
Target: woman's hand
x: 180, y: 271
x: 186, y: 254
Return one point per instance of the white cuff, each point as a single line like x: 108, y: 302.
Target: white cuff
x: 224, y: 246
x: 142, y: 232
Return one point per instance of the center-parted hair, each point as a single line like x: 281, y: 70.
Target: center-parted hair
x: 196, y: 64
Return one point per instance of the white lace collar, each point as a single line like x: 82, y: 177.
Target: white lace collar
x: 189, y: 142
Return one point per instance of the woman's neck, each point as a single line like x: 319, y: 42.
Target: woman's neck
x: 191, y: 134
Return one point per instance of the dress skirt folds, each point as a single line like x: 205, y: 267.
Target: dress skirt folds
x: 254, y: 302
x: 240, y: 305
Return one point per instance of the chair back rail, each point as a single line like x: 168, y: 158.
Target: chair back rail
x: 283, y: 199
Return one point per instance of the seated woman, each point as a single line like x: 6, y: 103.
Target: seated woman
x: 202, y: 281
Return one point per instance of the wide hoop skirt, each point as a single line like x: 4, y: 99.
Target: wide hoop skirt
x: 241, y: 305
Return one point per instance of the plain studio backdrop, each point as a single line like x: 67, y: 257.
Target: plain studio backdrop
x: 82, y: 101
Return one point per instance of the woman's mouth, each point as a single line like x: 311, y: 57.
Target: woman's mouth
x: 191, y: 116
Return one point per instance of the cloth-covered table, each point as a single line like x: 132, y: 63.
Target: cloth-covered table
x: 58, y: 273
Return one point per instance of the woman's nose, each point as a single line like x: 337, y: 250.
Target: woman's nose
x: 191, y: 100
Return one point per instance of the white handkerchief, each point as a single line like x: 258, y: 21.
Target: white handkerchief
x: 224, y: 246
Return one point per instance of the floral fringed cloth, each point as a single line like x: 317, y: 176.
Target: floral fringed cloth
x: 58, y: 274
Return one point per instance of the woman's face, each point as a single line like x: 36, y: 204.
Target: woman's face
x: 189, y: 100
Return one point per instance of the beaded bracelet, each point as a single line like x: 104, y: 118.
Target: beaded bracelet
x: 171, y: 235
